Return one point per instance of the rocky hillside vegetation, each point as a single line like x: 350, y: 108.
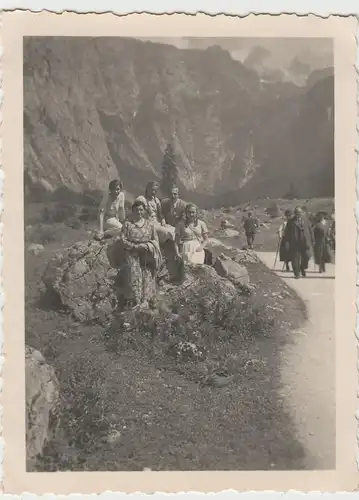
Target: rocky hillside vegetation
x: 165, y: 388
x: 97, y: 107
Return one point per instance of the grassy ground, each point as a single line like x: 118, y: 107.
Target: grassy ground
x: 128, y: 405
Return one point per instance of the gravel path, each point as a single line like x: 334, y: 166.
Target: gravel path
x: 308, y: 365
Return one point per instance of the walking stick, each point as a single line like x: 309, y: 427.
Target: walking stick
x: 276, y: 254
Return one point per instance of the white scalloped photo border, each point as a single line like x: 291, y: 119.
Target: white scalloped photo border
x: 245, y: 10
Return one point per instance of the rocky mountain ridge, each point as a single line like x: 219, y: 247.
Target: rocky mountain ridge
x: 98, y: 107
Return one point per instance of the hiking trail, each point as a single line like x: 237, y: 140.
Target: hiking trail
x: 307, y: 364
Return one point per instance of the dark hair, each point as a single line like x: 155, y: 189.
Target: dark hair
x: 322, y: 214
x: 114, y: 184
x: 288, y: 212
x: 250, y: 214
x: 138, y: 203
x: 150, y: 185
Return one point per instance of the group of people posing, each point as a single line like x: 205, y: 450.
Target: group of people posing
x: 172, y: 230
x: 155, y: 228
x: 299, y: 238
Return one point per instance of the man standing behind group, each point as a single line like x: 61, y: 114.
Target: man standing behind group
x: 173, y: 211
x: 299, y: 241
x: 154, y: 212
x: 250, y: 228
x: 173, y: 208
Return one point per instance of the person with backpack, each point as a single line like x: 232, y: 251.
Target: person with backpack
x: 250, y: 228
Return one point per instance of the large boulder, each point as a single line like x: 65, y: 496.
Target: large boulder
x: 82, y: 281
x: 42, y: 405
x: 187, y: 314
x: 228, y: 268
x: 217, y: 247
x: 201, y: 290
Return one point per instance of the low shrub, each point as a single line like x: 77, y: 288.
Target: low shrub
x: 43, y: 234
x: 64, y: 195
x: 92, y: 197
x: 74, y: 223
x: 84, y: 394
x: 88, y: 214
x: 59, y: 212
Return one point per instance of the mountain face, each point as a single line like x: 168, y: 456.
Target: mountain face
x: 98, y: 108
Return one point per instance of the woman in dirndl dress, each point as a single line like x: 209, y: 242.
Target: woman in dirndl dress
x: 191, y: 236
x: 142, y: 259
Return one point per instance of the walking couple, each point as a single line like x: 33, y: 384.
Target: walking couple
x: 298, y: 240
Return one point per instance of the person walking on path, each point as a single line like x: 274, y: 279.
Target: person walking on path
x: 283, y: 250
x: 250, y: 228
x: 298, y: 241
x: 332, y: 232
x: 321, y: 233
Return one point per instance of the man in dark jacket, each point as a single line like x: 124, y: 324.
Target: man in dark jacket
x: 173, y: 211
x: 298, y: 239
x: 173, y: 208
x: 250, y: 228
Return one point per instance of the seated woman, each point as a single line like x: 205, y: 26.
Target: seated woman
x: 154, y: 212
x: 191, y: 236
x: 142, y: 259
x: 112, y: 210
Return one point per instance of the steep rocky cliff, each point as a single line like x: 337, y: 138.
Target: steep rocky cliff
x: 95, y: 107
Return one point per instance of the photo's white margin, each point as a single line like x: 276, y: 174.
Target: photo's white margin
x: 234, y: 9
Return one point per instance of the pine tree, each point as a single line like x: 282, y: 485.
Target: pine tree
x: 169, y: 170
x: 292, y: 193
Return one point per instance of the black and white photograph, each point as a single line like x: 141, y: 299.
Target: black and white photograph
x: 179, y: 268
x: 179, y: 222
